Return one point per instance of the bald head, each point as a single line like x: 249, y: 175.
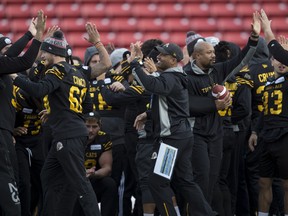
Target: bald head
x: 204, y: 55
x: 201, y: 46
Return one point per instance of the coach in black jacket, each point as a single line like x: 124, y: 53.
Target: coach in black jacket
x: 203, y: 73
x: 169, y: 113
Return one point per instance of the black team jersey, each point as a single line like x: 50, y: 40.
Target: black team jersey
x: 66, y: 93
x: 134, y: 97
x: 27, y: 113
x: 275, y: 100
x: 100, y: 144
x: 12, y: 65
x: 240, y: 91
x: 99, y: 104
x: 259, y: 75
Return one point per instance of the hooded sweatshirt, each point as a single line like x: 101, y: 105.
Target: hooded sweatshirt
x: 200, y: 84
x: 169, y: 104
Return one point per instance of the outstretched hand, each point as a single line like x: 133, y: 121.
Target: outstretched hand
x: 256, y: 24
x: 32, y: 29
x: 51, y: 31
x: 40, y: 23
x: 136, y: 52
x: 283, y: 41
x: 265, y: 22
x: 93, y: 34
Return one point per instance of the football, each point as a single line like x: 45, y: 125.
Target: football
x: 219, y: 91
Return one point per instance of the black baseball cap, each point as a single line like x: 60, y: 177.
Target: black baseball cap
x: 171, y: 49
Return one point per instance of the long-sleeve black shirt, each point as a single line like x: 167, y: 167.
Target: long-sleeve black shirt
x: 66, y: 91
x: 13, y: 65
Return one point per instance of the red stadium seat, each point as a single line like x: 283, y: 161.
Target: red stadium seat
x: 279, y: 23
x: 14, y: 2
x: 203, y: 24
x: 284, y: 33
x: 246, y: 9
x: 118, y: 10
x: 76, y: 39
x: 72, y: 24
x: 246, y: 24
x: 144, y: 10
x: 124, y: 39
x: 2, y: 13
x: 150, y: 25
x: 275, y: 9
x: 222, y: 9
x: 176, y: 24
x: 170, y: 10
x: 164, y: 36
x: 19, y: 25
x: 67, y: 10
x: 52, y: 22
x: 5, y: 26
x: 103, y: 24
x: 196, y: 1
x: 229, y: 24
x: 48, y: 9
x: 17, y: 11
x: 124, y: 24
x: 79, y: 51
x: 178, y: 38
x: 240, y: 38
x: 90, y: 10
x: 196, y: 10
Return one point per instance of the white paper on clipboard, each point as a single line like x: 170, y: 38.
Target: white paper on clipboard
x: 165, y: 160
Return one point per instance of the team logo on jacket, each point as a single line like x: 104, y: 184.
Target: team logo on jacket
x: 59, y: 146
x: 154, y: 155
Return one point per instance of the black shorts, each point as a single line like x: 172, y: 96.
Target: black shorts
x: 274, y: 159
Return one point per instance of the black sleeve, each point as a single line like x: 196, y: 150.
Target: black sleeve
x: 161, y: 85
x: 278, y: 52
x: 201, y: 105
x: 41, y: 88
x: 19, y: 45
x: 259, y: 124
x: 131, y: 94
x: 87, y: 104
x: 10, y: 65
x: 241, y: 103
x: 225, y: 68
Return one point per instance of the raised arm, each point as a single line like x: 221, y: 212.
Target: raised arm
x: 94, y: 38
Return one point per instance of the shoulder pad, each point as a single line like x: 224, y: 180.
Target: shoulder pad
x: 58, y: 70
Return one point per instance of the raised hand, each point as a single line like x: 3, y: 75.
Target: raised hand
x: 51, y: 31
x: 283, y: 41
x: 150, y: 65
x: 93, y: 34
x: 265, y: 22
x: 256, y: 24
x: 40, y: 25
x: 266, y: 26
x: 32, y: 28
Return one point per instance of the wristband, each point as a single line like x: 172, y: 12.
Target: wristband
x: 254, y: 36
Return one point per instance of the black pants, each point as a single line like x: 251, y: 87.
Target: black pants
x: 236, y: 178
x: 64, y: 180
x: 221, y: 201
x: 182, y: 180
x: 30, y: 161
x: 131, y: 175
x: 144, y: 165
x: 106, y: 192
x: 206, y: 162
x: 9, y: 198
